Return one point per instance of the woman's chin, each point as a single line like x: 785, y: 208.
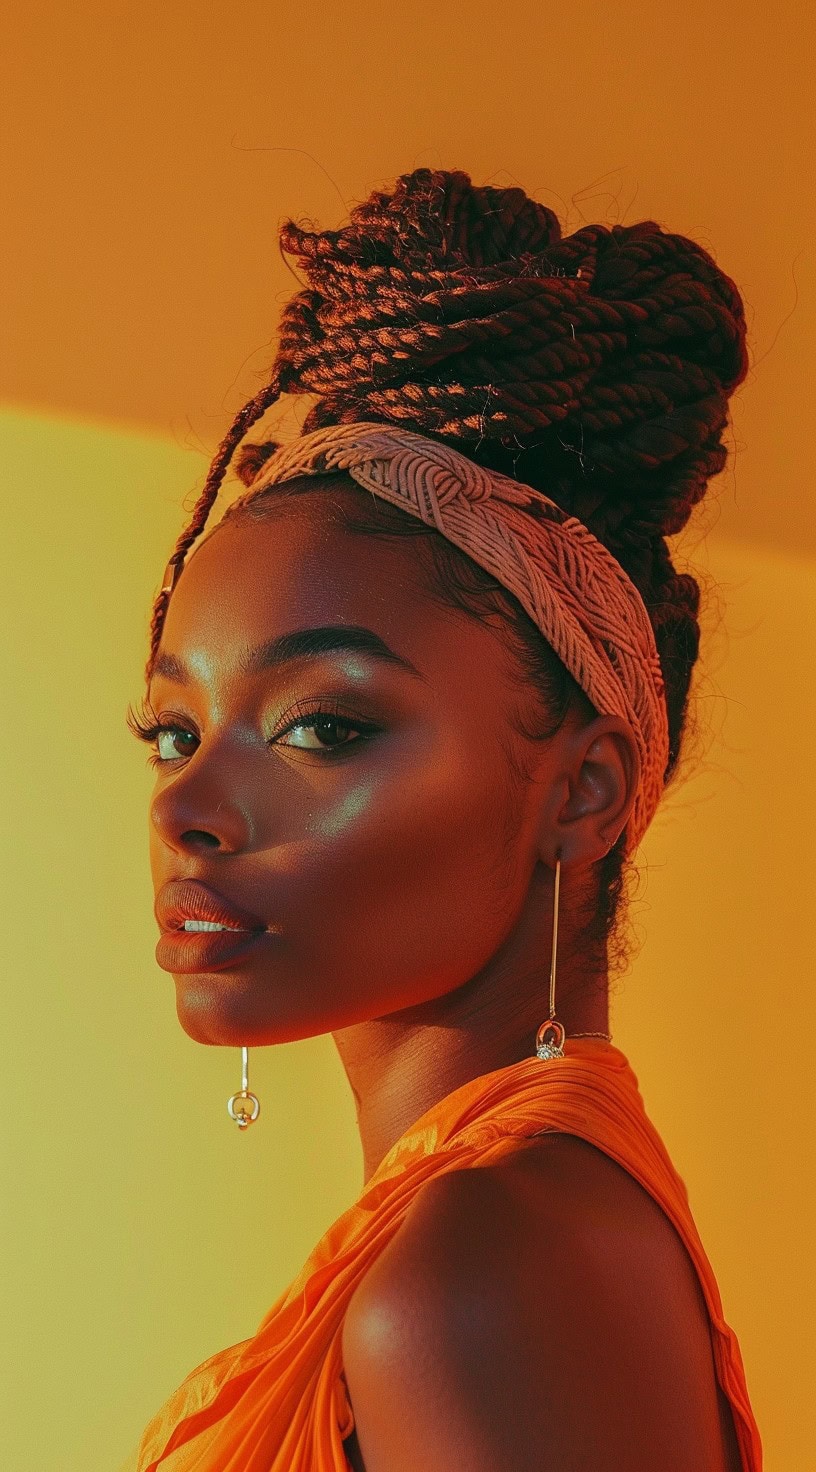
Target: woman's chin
x: 211, y: 1014
x: 233, y: 1016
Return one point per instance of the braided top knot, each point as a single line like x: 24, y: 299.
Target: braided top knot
x: 596, y: 367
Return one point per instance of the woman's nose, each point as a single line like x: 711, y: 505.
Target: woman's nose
x: 195, y: 814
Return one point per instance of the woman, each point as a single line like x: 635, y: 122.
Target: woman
x: 413, y: 703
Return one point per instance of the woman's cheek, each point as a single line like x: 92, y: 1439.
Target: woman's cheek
x: 407, y: 875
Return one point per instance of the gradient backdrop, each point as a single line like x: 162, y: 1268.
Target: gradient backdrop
x: 150, y: 153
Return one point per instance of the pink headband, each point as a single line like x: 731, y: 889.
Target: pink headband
x: 572, y: 587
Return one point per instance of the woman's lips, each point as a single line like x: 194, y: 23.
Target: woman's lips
x: 191, y: 899
x: 187, y: 951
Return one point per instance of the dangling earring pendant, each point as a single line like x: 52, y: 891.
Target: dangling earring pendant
x: 551, y: 1034
x: 244, y: 1107
x: 547, y: 1048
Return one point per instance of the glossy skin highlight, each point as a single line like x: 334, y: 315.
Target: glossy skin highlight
x: 411, y: 873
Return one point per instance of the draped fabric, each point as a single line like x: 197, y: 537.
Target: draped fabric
x: 277, y: 1402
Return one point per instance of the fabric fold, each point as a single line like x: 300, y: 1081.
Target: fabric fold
x: 277, y: 1401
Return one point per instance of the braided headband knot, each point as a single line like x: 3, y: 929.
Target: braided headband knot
x: 569, y: 583
x: 429, y: 471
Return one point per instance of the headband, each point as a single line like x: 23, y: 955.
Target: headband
x: 571, y: 586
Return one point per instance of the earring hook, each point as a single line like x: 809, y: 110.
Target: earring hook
x: 546, y: 1048
x: 249, y: 1107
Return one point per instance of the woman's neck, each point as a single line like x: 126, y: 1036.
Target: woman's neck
x: 400, y: 1066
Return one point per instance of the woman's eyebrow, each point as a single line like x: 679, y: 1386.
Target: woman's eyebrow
x: 299, y: 644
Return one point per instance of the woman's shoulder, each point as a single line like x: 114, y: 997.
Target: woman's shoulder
x: 528, y: 1310
x: 555, y: 1202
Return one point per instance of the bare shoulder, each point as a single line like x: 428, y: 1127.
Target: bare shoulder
x: 538, y: 1313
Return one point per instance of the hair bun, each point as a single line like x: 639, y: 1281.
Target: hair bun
x: 596, y: 366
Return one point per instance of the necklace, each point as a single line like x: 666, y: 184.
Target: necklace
x: 606, y: 1035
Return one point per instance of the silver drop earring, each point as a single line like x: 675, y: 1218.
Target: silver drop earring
x: 545, y: 1047
x: 248, y: 1106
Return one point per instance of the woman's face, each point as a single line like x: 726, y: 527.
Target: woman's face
x: 387, y: 850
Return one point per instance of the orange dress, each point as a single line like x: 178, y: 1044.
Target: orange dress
x: 277, y: 1402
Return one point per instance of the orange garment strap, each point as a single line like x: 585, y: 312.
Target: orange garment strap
x: 277, y: 1403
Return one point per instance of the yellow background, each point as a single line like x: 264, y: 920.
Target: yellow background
x: 151, y: 154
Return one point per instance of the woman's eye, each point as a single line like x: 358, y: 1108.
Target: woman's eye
x: 328, y: 729
x: 166, y: 736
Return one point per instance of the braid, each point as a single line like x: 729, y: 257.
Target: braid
x: 617, y: 347
x: 244, y: 419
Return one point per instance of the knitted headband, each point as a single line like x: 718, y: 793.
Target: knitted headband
x: 574, y: 590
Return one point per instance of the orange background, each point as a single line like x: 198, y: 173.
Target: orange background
x: 150, y: 154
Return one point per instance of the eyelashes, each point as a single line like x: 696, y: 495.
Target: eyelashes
x: 146, y: 726
x: 142, y: 720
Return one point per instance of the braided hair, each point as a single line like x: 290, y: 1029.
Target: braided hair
x: 596, y: 367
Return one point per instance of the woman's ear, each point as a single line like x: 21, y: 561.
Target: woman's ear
x: 600, y: 770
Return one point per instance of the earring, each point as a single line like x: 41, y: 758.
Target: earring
x: 249, y: 1106
x: 550, y: 1049
x: 555, y: 1049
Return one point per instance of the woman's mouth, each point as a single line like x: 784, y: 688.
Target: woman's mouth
x: 203, y: 945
